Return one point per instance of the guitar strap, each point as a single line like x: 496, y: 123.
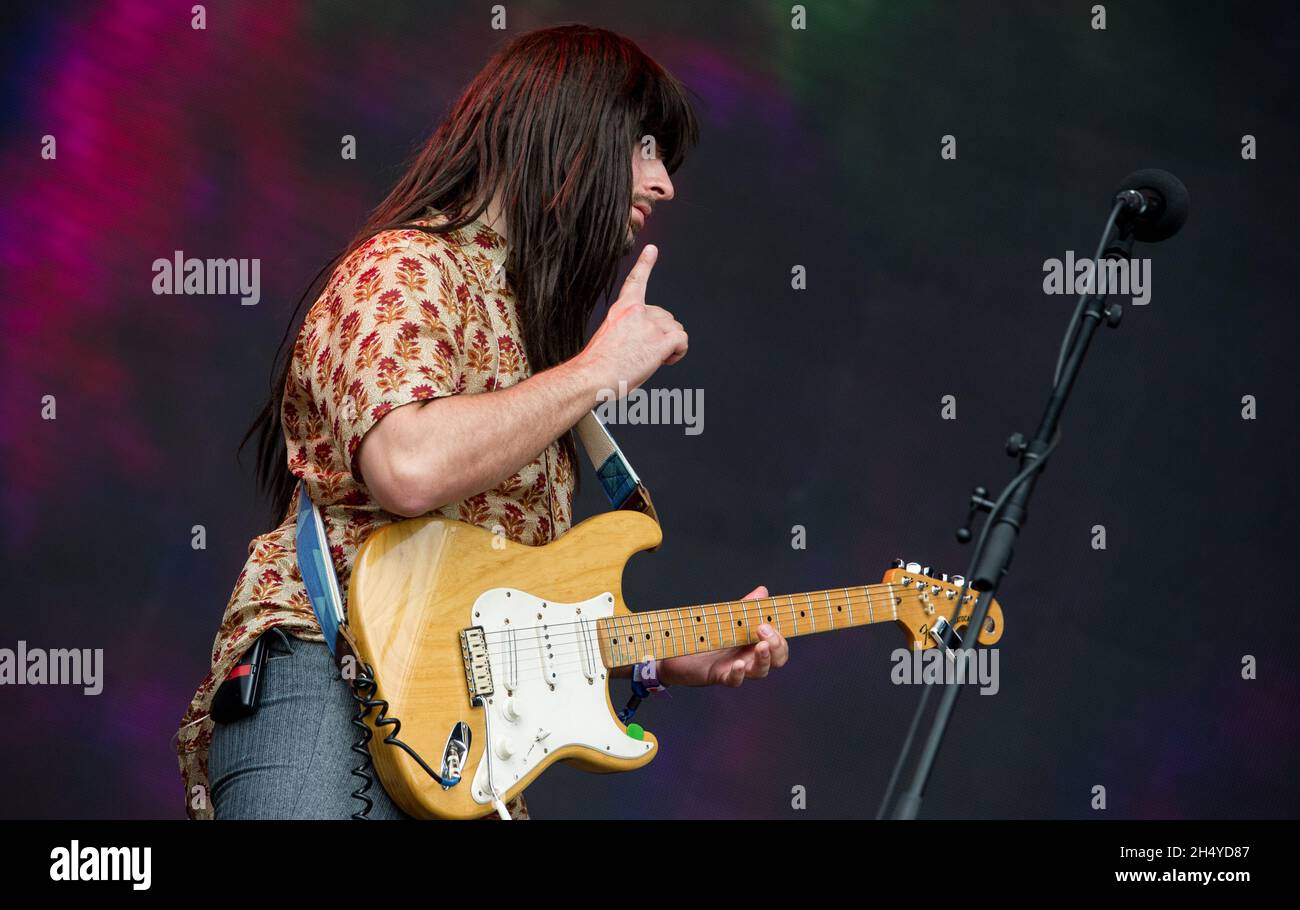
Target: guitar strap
x: 617, y: 478
x: 620, y: 482
x: 317, y: 570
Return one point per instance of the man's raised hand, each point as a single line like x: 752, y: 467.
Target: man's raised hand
x: 636, y: 338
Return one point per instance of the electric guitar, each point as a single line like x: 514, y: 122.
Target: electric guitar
x: 495, y: 657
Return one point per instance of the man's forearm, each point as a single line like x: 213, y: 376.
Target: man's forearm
x: 455, y: 447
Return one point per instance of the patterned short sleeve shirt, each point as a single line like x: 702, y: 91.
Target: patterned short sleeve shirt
x: 408, y: 316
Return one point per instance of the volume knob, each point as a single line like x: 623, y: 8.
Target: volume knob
x: 504, y: 749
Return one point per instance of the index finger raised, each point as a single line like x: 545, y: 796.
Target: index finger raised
x: 640, y: 274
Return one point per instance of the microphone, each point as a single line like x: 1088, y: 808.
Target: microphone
x: 1155, y: 204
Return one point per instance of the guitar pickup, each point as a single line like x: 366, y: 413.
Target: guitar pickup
x: 544, y: 647
x: 478, y: 669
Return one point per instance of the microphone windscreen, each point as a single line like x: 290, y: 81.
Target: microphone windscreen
x: 1155, y: 226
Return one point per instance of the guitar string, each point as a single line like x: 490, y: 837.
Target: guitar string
x: 650, y: 625
x: 664, y: 647
x: 570, y: 653
x: 570, y: 656
x: 668, y: 638
x: 832, y: 594
x: 680, y: 617
x: 570, y: 669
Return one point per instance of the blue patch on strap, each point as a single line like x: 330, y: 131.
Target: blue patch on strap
x: 616, y: 480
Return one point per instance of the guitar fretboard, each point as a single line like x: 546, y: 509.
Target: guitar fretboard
x: 626, y: 640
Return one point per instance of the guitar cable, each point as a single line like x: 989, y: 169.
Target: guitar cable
x: 363, y: 691
x: 497, y: 802
x: 362, y: 747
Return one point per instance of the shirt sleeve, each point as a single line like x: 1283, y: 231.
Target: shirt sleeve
x: 391, y: 331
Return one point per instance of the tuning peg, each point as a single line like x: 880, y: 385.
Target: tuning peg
x: 943, y: 576
x: 914, y: 567
x: 959, y: 580
x: 925, y: 570
x: 897, y: 564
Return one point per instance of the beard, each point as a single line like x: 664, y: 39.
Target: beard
x: 629, y: 241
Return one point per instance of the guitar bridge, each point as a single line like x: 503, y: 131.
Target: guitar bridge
x: 478, y: 670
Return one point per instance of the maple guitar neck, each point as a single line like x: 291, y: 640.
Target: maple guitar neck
x: 630, y: 638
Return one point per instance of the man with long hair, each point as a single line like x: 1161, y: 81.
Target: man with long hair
x: 441, y: 370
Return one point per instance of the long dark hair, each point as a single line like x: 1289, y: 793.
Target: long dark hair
x: 549, y: 126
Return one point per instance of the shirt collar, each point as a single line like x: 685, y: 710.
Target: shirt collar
x: 484, y: 242
x: 490, y: 242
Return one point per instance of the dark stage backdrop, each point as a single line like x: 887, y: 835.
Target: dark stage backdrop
x: 1121, y: 667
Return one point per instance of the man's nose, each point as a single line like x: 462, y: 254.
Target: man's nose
x: 658, y: 182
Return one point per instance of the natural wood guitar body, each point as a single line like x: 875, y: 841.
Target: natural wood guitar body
x: 407, y: 618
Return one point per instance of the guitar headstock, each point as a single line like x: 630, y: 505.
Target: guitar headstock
x: 935, y: 596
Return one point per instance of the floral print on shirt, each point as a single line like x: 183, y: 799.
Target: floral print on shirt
x: 407, y: 316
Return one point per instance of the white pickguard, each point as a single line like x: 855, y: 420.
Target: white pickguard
x: 549, y: 685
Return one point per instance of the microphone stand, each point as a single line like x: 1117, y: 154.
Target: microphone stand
x: 1006, y: 516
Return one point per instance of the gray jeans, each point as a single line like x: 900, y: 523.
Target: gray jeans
x: 293, y: 757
